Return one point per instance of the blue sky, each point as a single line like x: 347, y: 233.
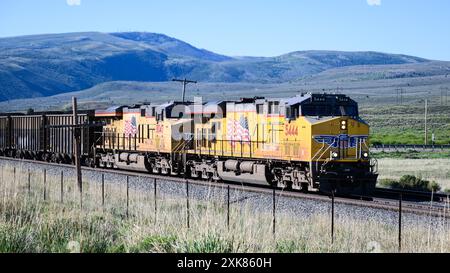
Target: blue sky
x: 250, y: 27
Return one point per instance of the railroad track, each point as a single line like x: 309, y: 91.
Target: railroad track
x: 411, y: 195
x: 437, y: 209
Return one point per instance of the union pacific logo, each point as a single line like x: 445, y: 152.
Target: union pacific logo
x: 334, y: 140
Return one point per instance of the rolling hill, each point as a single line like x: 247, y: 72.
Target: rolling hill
x: 47, y: 65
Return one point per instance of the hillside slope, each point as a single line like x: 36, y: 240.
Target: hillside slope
x: 45, y: 65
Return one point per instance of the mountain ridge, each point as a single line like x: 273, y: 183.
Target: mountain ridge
x: 50, y: 64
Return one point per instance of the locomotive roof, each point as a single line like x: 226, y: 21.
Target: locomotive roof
x: 297, y: 99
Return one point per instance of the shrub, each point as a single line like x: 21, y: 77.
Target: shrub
x: 410, y: 182
x: 388, y: 183
x: 376, y: 142
x: 434, y: 186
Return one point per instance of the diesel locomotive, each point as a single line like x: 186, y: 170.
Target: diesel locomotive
x: 310, y: 142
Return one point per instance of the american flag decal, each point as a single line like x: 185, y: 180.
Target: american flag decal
x: 130, y: 127
x: 238, y: 130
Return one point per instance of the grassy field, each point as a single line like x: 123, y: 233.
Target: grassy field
x: 28, y: 223
x: 411, y: 154
x: 437, y: 169
x: 405, y: 124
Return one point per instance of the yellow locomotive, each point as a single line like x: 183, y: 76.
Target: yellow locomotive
x: 308, y: 142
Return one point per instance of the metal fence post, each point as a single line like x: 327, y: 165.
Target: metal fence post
x: 29, y: 181
x: 187, y: 203
x: 228, y: 207
x: 154, y: 197
x: 400, y: 223
x: 3, y: 184
x: 103, y: 189
x: 128, y: 178
x: 62, y: 186
x: 332, y: 216
x: 273, y: 211
x: 45, y: 184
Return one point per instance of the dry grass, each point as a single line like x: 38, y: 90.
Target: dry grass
x: 30, y: 224
x: 430, y: 169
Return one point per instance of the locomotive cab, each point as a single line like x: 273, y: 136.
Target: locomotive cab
x: 340, y: 159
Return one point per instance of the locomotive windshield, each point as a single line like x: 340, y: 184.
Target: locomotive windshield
x: 329, y: 110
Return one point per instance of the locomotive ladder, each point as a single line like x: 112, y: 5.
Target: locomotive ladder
x: 180, y: 150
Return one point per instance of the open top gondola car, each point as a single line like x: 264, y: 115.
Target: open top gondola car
x: 47, y: 136
x: 5, y: 136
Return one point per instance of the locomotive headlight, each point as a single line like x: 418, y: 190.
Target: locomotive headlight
x: 334, y: 155
x: 365, y: 154
x: 343, y: 124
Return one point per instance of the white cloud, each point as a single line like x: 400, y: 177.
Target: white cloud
x: 73, y: 2
x: 374, y: 2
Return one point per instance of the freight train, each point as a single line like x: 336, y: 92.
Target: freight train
x: 310, y: 142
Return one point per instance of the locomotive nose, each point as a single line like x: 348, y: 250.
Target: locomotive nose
x: 340, y: 139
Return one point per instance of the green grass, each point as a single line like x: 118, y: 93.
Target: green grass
x: 405, y: 124
x: 36, y: 229
x: 392, y: 135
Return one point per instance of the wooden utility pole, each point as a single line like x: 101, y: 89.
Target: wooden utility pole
x: 444, y: 95
x: 77, y: 148
x: 185, y: 82
x: 399, y: 98
x: 426, y: 114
